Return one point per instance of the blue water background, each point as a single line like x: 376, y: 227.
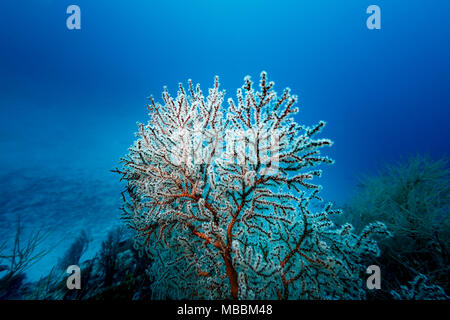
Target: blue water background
x: 70, y: 99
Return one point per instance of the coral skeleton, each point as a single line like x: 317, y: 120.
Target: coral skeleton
x: 222, y: 196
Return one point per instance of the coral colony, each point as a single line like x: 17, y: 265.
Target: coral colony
x: 221, y: 195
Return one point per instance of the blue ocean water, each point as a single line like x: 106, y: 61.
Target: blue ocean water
x: 70, y: 99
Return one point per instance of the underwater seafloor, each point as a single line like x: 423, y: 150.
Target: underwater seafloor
x: 70, y: 100
x: 92, y: 235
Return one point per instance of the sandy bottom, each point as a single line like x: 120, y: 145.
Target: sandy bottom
x: 63, y: 202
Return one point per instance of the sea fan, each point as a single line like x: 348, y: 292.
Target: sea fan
x: 222, y: 198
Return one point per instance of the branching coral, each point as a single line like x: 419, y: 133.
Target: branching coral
x: 75, y: 252
x: 223, y: 199
x: 21, y: 257
x: 413, y: 200
x: 109, y: 252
